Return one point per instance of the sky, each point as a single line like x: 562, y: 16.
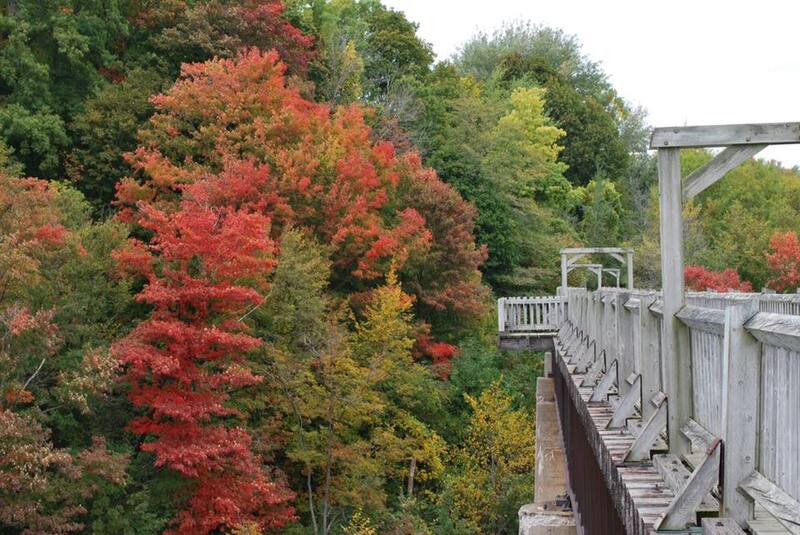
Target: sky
x: 685, y: 61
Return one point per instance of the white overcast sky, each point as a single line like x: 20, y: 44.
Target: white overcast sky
x: 685, y: 61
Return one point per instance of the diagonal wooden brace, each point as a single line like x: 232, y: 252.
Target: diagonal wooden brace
x: 608, y: 379
x: 682, y: 511
x: 627, y: 406
x: 640, y: 449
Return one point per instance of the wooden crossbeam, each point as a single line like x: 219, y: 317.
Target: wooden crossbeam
x: 595, y: 250
x: 727, y: 160
x: 725, y: 135
x: 590, y: 379
x: 772, y: 498
x: 606, y: 382
x: 682, y: 512
x: 640, y: 449
x: 627, y: 406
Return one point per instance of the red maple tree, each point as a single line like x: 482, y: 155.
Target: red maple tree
x: 784, y: 260
x: 301, y: 163
x: 700, y: 279
x: 204, y: 266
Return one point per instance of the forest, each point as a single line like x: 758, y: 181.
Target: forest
x: 249, y: 251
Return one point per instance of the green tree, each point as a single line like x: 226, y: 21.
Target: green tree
x: 495, y: 464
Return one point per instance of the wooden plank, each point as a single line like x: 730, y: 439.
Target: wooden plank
x: 682, y: 512
x: 595, y: 250
x: 703, y: 319
x: 590, y: 379
x: 700, y: 437
x: 606, y: 382
x: 627, y: 406
x: 765, y: 524
x: 650, y: 354
x: 721, y: 526
x: 727, y: 160
x: 640, y: 449
x: 743, y: 364
x: 776, y: 329
x: 724, y: 135
x: 778, y: 503
x: 676, y: 475
x: 675, y: 341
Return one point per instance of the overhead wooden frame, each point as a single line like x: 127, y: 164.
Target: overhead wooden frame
x: 571, y: 255
x: 597, y: 269
x: 740, y: 142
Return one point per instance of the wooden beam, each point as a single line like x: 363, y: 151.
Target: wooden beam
x: 627, y: 406
x: 775, y: 500
x: 649, y: 353
x: 682, y: 512
x: 675, y: 350
x: 595, y: 250
x: 571, y: 259
x: 600, y: 392
x: 721, y: 526
x: 727, y: 160
x: 640, y: 449
x: 776, y: 329
x: 742, y: 362
x: 724, y: 135
x: 629, y: 265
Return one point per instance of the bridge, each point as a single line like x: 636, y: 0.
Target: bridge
x: 665, y: 411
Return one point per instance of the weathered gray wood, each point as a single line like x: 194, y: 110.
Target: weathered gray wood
x: 700, y: 437
x: 649, y: 350
x: 724, y: 135
x: 682, y: 512
x: 743, y: 365
x: 776, y: 329
x: 721, y: 526
x: 727, y: 160
x: 676, y: 476
x: 703, y: 319
x: 777, y: 502
x: 625, y: 337
x: 605, y: 383
x: 675, y: 339
x: 501, y: 314
x: 627, y: 405
x: 629, y: 265
x: 596, y: 250
x: 640, y: 449
x: 590, y: 379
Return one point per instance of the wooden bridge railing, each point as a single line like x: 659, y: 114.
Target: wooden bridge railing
x: 744, y: 425
x: 531, y: 314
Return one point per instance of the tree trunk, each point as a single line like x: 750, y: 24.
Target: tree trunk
x: 412, y: 470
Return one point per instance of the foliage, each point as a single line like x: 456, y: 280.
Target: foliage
x: 301, y: 165
x: 702, y: 279
x: 56, y: 292
x: 784, y: 260
x: 497, y: 459
x: 204, y: 265
x: 600, y: 127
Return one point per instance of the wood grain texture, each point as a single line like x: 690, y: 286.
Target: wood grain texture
x: 778, y: 503
x: 776, y: 329
x: 724, y: 135
x: 725, y: 161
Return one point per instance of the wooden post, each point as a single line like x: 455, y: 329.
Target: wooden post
x: 742, y: 365
x: 564, y: 270
x: 624, y: 343
x: 649, y: 354
x: 675, y: 339
x: 501, y: 314
x: 629, y: 265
